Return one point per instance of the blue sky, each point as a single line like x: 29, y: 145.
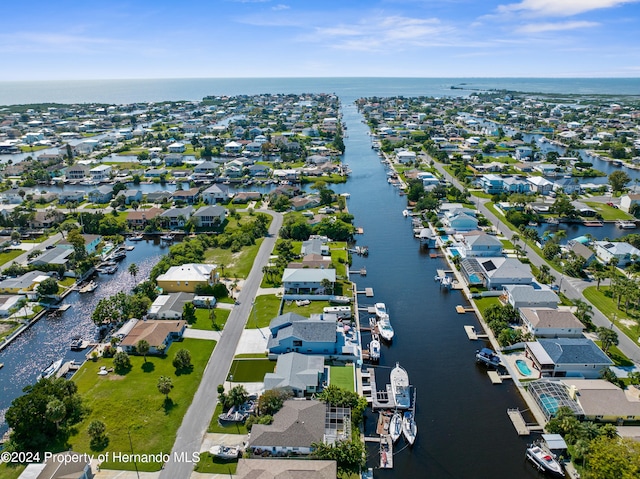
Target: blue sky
x: 64, y: 39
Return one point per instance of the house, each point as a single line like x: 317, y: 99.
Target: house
x: 215, y: 193
x: 176, y: 147
x: 69, y: 196
x: 582, y: 251
x: 312, y: 261
x: 495, y: 273
x: 24, y: 283
x: 259, y: 171
x: 551, y: 323
x: 176, y: 217
x: 101, y: 172
x: 540, y: 185
x: 246, y: 196
x: 526, y: 296
x: 156, y: 172
x: 209, y: 216
x: 77, y: 172
x: 56, y: 256
x: 480, y: 244
x: 404, y: 156
x: 47, y: 219
x: 524, y: 153
x: 627, y: 202
x: 9, y: 303
x: 158, y: 196
x: 567, y: 357
x: 315, y: 245
x: 302, y: 374
x: 169, y: 306
x: 307, y: 280
x: 511, y: 184
x: 158, y: 333
x: 189, y: 196
x: 101, y: 194
x: 206, y: 168
x: 91, y: 243
x: 583, y: 209
x: 130, y: 196
x: 274, y: 468
x: 299, y: 203
x: 138, y: 219
x: 233, y: 147
x: 623, y: 252
x: 567, y: 186
x: 602, y: 401
x: 491, y: 184
x: 460, y: 221
x: 174, y: 159
x: 64, y: 465
x: 187, y: 277
x: 295, y: 428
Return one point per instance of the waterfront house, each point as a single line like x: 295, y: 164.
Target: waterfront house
x: 495, y: 273
x: 9, y: 304
x: 69, y: 196
x: 307, y: 280
x: 189, y: 196
x: 91, y: 243
x: 524, y: 153
x: 460, y: 221
x: 187, y: 277
x: 479, y: 244
x: 602, y: 401
x: 158, y: 333
x: 540, y: 185
x: 47, y: 219
x: 206, y: 168
x: 169, y: 306
x: 312, y: 261
x: 404, y: 156
x: 156, y: 172
x: 319, y: 335
x: 623, y: 252
x: 315, y: 245
x: 101, y: 172
x: 274, y: 468
x: 526, y: 296
x: 567, y: 186
x: 176, y: 217
x: 215, y: 193
x: 511, y: 184
x: 209, y: 216
x: 300, y: 203
x: 138, y: 219
x: 246, y: 196
x: 259, y: 171
x: 176, y: 147
x: 23, y: 284
x: 295, y: 428
x: 101, y: 194
x: 233, y: 147
x: 301, y: 374
x: 58, y: 256
x: 173, y: 159
x: 76, y: 172
x: 627, y: 202
x: 551, y: 323
x: 158, y: 196
x: 567, y: 357
x: 130, y: 196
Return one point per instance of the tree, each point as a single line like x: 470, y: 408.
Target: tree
x: 583, y: 311
x: 327, y: 286
x: 96, y: 432
x: 142, y: 347
x: 609, y: 458
x: 349, y: 455
x: 237, y: 396
x: 182, y: 360
x: 618, y: 180
x: 271, y: 401
x: 608, y: 337
x: 189, y: 313
x: 121, y: 362
x: 165, y: 385
x: 56, y: 411
x: 47, y: 287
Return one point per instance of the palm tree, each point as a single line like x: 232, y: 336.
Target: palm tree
x: 165, y: 385
x: 133, y: 270
x: 599, y: 275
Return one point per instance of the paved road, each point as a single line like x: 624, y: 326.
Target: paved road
x: 196, y: 420
x: 23, y: 259
x: 571, y: 287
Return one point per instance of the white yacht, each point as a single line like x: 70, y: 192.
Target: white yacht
x: 400, y: 387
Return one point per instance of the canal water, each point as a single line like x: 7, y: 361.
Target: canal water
x: 49, y: 339
x: 463, y: 428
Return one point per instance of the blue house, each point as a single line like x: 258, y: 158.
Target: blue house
x: 491, y: 184
x: 320, y: 335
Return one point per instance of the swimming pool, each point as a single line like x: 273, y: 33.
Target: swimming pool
x: 549, y: 403
x: 475, y: 279
x: 454, y: 252
x: 523, y: 368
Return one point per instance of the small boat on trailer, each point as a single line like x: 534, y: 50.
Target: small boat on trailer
x: 488, y: 357
x: 544, y: 461
x: 226, y: 452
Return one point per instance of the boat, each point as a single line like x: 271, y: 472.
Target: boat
x: 405, y: 213
x: 111, y: 269
x: 89, y: 287
x: 395, y: 426
x: 1, y: 365
x: 593, y: 223
x: 626, y: 225
x: 400, y: 387
x: 553, y: 221
x: 130, y: 247
x: 385, y: 329
x: 119, y: 255
x: 77, y: 344
x: 488, y: 357
x: 380, y: 309
x: 138, y: 237
x: 340, y: 300
x: 409, y: 427
x: 374, y: 350
x: 233, y: 416
x: 51, y: 369
x: 226, y: 452
x: 544, y: 461
x: 167, y: 237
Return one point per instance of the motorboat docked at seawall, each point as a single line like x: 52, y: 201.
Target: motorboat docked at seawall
x: 385, y: 329
x: 488, y: 357
x: 626, y: 225
x: 544, y: 461
x: 374, y: 350
x: 380, y: 309
x: 77, y: 344
x: 226, y: 452
x: 400, y: 387
x: 167, y: 237
x: 395, y: 426
x: 409, y: 427
x: 51, y: 369
x: 89, y: 287
x: 137, y: 237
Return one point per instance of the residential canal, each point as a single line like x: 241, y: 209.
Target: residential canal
x: 463, y: 428
x: 49, y: 339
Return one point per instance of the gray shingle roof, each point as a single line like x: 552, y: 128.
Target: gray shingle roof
x: 295, y: 370
x: 297, y: 424
x: 574, y: 351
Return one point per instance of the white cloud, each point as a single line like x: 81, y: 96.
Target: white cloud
x: 554, y: 27
x: 58, y: 42
x: 560, y: 8
x: 280, y: 7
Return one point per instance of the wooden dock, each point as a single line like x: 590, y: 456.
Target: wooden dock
x: 471, y: 332
x: 368, y: 292
x: 359, y: 230
x: 386, y: 452
x: 66, y: 367
x: 361, y: 271
x: 495, y: 377
x: 519, y: 423
x: 462, y: 309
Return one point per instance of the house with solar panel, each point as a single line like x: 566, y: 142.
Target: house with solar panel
x: 623, y: 252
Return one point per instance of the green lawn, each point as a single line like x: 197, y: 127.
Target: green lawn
x: 617, y: 356
x: 265, y: 308
x: 250, y: 370
x: 607, y: 306
x: 9, y: 255
x: 215, y: 426
x: 506, y: 244
x: 8, y: 327
x: 342, y: 376
x: 480, y: 194
x: 132, y: 403
x: 7, y: 472
x: 203, y: 320
x: 484, y: 303
x: 214, y: 465
x: 339, y: 257
x: 313, y: 308
x: 609, y: 212
x: 236, y: 265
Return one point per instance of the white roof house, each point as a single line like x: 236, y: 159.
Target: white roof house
x: 624, y: 252
x: 306, y: 279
